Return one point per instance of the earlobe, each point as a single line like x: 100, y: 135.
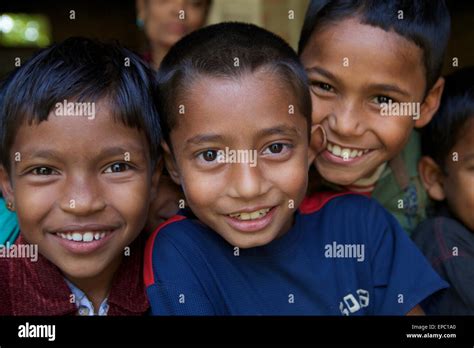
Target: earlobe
x: 431, y: 104
x: 170, y: 163
x: 6, y: 186
x: 432, y: 178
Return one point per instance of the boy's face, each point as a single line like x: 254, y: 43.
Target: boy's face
x: 353, y: 68
x: 251, y: 202
x: 81, y: 188
x: 458, y: 185
x: 165, y: 24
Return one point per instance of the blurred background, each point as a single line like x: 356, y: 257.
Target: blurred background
x: 26, y: 25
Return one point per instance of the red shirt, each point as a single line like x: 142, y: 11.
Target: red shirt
x: 39, y: 288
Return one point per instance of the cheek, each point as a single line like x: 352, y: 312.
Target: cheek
x: 393, y: 132
x: 131, y: 200
x: 194, y: 19
x: 460, y: 196
x: 201, y: 190
x: 320, y: 109
x: 292, y: 177
x: 33, y: 205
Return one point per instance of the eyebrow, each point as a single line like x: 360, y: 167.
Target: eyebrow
x: 378, y: 86
x: 108, y: 152
x: 204, y: 138
x: 323, y: 72
x: 277, y: 130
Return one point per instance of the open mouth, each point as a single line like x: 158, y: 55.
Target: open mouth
x: 346, y: 152
x: 251, y: 221
x: 254, y: 215
x: 85, y: 237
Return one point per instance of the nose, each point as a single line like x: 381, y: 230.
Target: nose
x: 347, y: 120
x: 82, y: 196
x: 247, y: 182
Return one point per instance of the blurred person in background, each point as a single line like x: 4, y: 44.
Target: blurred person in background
x: 164, y: 22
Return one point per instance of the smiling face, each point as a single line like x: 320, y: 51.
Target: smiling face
x: 81, y: 190
x: 353, y: 68
x: 248, y: 204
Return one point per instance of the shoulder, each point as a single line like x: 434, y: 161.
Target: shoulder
x: 323, y: 200
x: 444, y: 237
x: 174, y: 247
x: 353, y: 210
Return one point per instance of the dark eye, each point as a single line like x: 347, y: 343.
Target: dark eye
x: 209, y: 155
x: 117, y: 168
x: 276, y: 148
x: 322, y: 87
x: 382, y: 99
x: 43, y: 171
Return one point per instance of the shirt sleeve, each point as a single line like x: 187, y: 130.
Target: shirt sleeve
x: 176, y: 288
x: 402, y: 276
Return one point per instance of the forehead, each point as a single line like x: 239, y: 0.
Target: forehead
x: 239, y: 107
x: 79, y: 135
x: 371, y: 52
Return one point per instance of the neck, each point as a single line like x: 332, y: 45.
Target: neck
x: 98, y: 287
x: 158, y: 52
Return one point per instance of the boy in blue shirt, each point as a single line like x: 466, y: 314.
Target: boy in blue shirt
x: 237, y: 124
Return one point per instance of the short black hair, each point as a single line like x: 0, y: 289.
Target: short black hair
x: 80, y: 69
x: 211, y: 51
x: 426, y: 23
x: 457, y: 107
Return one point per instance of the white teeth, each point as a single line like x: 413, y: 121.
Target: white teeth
x: 82, y: 237
x: 345, y: 153
x: 252, y: 215
x: 77, y: 237
x: 88, y: 237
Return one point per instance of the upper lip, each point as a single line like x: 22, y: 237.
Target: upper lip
x: 85, y: 228
x: 249, y: 210
x: 348, y: 146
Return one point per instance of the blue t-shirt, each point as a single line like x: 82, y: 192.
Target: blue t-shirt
x: 344, y: 255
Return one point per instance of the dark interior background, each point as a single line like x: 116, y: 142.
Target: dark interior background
x: 107, y: 19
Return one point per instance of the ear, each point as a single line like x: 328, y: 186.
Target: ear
x: 432, y: 178
x: 317, y: 142
x: 431, y: 104
x: 155, y: 178
x: 6, y: 186
x: 171, y: 163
